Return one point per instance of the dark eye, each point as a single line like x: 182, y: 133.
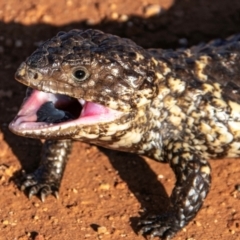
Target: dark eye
x: 80, y: 74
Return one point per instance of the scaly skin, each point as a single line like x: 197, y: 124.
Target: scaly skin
x: 46, y: 179
x: 180, y: 107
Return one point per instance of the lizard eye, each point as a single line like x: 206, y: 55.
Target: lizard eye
x: 80, y: 74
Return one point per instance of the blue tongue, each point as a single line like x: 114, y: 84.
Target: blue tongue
x: 49, y: 114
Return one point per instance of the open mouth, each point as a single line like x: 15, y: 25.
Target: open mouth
x: 47, y: 110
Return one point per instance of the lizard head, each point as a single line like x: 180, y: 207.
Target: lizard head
x: 82, y: 78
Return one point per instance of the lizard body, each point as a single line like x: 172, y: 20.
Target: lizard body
x: 180, y: 107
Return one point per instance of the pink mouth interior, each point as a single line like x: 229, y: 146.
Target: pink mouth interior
x: 84, y: 112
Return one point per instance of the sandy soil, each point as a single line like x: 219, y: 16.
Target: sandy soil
x: 103, y: 192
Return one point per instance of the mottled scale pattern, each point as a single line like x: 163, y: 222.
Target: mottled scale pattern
x: 180, y: 107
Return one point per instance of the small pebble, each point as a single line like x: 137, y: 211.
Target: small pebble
x: 91, y: 22
x: 160, y: 176
x: 123, y: 18
x: 151, y: 10
x: 114, y: 16
x: 5, y: 222
x: 47, y: 19
x: 120, y: 185
x: 101, y: 230
x: 75, y: 190
x: 104, y: 186
x: 198, y: 223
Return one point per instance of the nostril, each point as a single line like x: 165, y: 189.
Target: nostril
x: 35, y: 76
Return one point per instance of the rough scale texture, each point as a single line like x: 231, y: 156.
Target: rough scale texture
x: 179, y: 107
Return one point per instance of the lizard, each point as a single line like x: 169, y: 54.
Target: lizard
x: 180, y: 107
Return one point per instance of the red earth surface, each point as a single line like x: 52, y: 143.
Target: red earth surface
x: 104, y: 192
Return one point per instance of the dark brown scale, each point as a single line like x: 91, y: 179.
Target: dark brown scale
x: 181, y: 107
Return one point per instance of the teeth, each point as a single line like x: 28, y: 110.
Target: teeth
x: 82, y: 101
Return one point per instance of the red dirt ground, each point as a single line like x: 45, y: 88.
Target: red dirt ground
x: 103, y: 192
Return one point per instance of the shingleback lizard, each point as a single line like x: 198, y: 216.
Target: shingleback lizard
x: 179, y: 107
